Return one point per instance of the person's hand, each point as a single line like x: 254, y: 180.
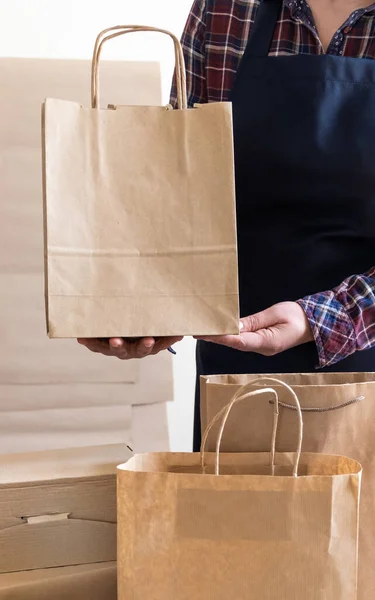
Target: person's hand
x: 269, y: 332
x: 127, y: 349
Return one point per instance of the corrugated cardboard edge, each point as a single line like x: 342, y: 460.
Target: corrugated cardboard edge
x: 44, y: 195
x: 84, y: 582
x: 54, y: 467
x: 54, y: 483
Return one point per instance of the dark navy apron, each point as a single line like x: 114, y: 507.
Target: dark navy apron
x: 304, y: 133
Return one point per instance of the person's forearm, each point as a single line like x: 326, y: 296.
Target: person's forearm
x: 343, y: 319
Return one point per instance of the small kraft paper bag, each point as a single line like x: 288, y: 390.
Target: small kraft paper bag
x: 338, y: 414
x: 140, y: 229
x: 247, y: 526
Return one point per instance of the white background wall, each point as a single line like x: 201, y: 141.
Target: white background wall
x: 67, y: 29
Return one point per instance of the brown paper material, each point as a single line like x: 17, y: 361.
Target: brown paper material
x: 135, y: 243
x: 347, y: 430
x: 83, y: 582
x: 239, y: 525
x: 28, y: 355
x: 55, y: 393
x: 66, y: 495
x: 185, y: 535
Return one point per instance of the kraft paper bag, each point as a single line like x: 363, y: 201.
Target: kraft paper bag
x: 249, y: 526
x: 338, y: 411
x: 139, y: 215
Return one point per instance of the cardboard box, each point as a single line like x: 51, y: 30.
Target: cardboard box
x: 58, y: 508
x: 83, y: 582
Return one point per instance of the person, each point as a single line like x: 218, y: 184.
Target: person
x: 301, y: 79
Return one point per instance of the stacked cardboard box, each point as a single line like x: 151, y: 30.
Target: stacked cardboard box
x: 58, y: 523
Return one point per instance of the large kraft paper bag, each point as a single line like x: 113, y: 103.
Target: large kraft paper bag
x: 247, y: 526
x: 140, y: 234
x: 338, y: 413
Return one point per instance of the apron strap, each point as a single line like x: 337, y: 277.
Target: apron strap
x: 261, y: 36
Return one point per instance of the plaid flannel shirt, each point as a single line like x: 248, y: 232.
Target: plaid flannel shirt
x: 214, y: 40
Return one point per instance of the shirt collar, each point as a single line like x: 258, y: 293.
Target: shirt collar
x: 298, y: 7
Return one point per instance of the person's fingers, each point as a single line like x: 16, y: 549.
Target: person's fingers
x: 231, y: 341
x: 257, y: 333
x: 267, y: 341
x: 262, y: 342
x: 86, y: 341
x: 164, y: 343
x: 267, y: 318
x: 95, y: 345
x: 253, y: 324
x: 119, y: 348
x: 104, y: 346
x: 143, y: 348
x: 130, y: 349
x: 116, y: 343
x: 92, y: 344
x: 125, y: 349
x: 270, y: 332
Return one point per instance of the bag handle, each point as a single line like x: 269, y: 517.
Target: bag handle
x: 238, y: 397
x: 242, y: 394
x: 118, y: 30
x: 320, y: 409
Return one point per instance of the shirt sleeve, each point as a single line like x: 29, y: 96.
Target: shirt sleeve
x: 343, y: 319
x: 193, y: 45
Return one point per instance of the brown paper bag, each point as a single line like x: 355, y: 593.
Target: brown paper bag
x: 339, y: 412
x: 243, y: 526
x: 140, y: 216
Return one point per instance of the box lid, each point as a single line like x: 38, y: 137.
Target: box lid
x: 70, y: 463
x: 58, y: 508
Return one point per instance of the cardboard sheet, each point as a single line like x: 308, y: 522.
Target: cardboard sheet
x: 24, y: 85
x: 21, y: 215
x: 83, y: 582
x: 33, y: 430
x: 69, y: 463
x: 54, y: 393
x: 150, y: 428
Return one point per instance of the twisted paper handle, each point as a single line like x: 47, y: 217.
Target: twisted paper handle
x: 325, y: 409
x: 118, y: 30
x: 244, y: 393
